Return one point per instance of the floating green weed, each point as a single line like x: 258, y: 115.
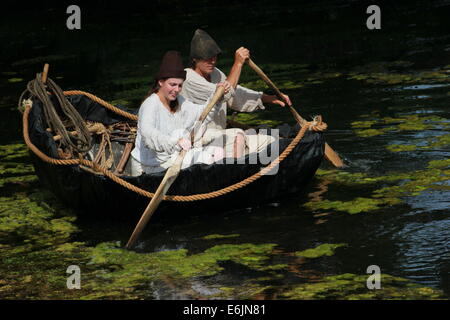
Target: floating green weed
x: 255, y: 119
x: 425, y: 144
x: 380, y: 126
x: 356, y: 205
x: 288, y: 77
x: 367, y: 133
x: 36, y: 250
x: 345, y: 286
x: 23, y: 179
x: 418, y: 182
x: 443, y: 140
x: 247, y: 290
x: 220, y: 236
x: 13, y: 151
x: 28, y: 220
x: 401, y: 147
x: 260, y: 85
x: 345, y: 177
x: 382, y: 73
x: 407, y: 184
x: 284, y: 68
x: 354, y: 287
x: 35, y: 230
x: 14, y: 80
x: 326, y: 249
x: 15, y: 167
x: 363, y: 124
x: 128, y: 269
x: 439, y: 164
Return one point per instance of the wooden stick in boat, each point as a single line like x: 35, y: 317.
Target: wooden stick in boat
x: 124, y: 159
x: 73, y: 133
x: 45, y: 73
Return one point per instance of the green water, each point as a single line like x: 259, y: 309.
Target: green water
x: 384, y: 95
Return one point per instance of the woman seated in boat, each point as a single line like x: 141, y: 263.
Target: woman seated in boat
x: 200, y: 82
x: 165, y: 121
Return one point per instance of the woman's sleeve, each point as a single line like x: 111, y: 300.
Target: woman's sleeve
x: 152, y: 137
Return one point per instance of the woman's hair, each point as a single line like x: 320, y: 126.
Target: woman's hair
x: 173, y: 104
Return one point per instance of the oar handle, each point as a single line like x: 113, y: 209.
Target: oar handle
x: 265, y: 79
x: 269, y: 82
x: 215, y: 98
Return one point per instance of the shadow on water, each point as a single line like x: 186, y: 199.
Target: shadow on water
x: 383, y: 93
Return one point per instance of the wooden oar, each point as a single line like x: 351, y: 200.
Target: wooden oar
x: 171, y: 175
x: 330, y: 154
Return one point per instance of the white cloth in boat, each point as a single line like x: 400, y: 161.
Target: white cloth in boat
x: 197, y: 89
x: 159, y: 130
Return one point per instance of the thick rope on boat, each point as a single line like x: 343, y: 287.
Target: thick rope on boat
x: 103, y: 103
x: 81, y: 142
x: 316, y: 125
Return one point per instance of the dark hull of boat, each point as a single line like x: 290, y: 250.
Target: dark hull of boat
x: 95, y: 194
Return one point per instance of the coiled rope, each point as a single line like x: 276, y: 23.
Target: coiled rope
x: 316, y: 125
x: 80, y: 143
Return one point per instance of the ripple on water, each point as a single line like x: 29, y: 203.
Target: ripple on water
x: 424, y: 248
x: 422, y: 87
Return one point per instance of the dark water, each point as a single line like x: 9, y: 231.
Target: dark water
x: 378, y: 91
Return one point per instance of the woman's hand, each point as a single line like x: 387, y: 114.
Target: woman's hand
x: 226, y: 85
x: 241, y: 55
x: 185, y: 144
x: 274, y: 99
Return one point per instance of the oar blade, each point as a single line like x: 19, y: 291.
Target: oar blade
x: 333, y: 157
x: 167, y: 181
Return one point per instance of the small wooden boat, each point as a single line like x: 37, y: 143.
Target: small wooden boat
x: 94, y: 193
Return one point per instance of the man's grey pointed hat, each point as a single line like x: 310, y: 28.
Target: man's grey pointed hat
x: 203, y: 46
